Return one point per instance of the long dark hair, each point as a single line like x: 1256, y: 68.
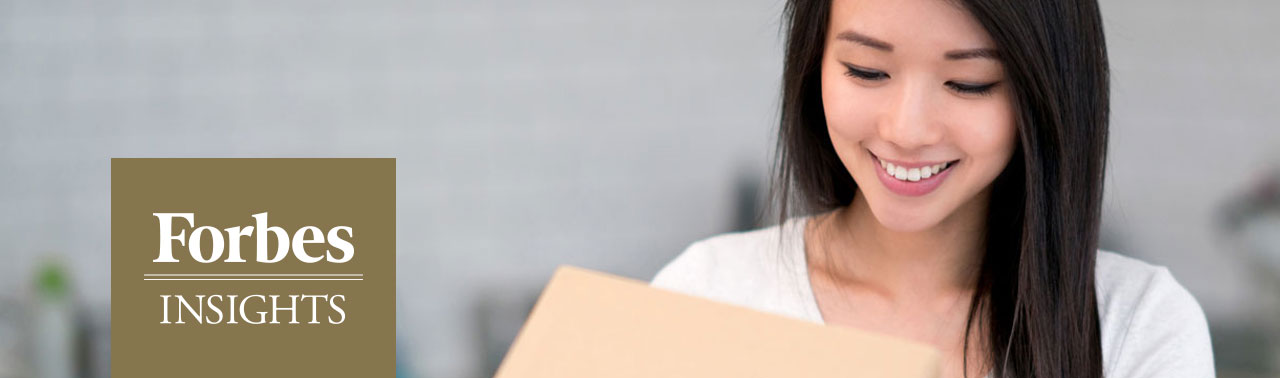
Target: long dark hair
x: 1036, y: 282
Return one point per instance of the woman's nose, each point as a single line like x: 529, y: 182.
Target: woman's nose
x: 910, y: 120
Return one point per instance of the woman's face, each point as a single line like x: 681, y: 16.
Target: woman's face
x: 917, y: 107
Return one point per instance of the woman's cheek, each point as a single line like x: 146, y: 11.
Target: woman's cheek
x: 848, y: 114
x: 989, y: 136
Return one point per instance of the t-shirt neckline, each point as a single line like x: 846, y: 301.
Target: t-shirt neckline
x: 797, y: 245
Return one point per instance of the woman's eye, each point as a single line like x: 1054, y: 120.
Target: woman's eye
x: 863, y: 73
x: 980, y: 89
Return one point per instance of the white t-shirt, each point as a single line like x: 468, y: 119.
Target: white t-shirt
x: 1150, y: 325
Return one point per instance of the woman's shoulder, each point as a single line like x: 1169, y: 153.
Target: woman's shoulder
x: 756, y: 269
x: 720, y: 258
x: 1126, y: 285
x: 1151, y: 325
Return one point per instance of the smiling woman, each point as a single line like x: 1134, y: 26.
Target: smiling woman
x: 940, y: 175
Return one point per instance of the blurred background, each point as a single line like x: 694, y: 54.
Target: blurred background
x: 604, y: 134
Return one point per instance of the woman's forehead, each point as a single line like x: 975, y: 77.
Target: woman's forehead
x: 908, y: 25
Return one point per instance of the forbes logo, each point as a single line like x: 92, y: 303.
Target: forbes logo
x: 261, y: 233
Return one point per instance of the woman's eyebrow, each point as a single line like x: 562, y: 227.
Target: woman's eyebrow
x: 983, y: 53
x: 852, y: 36
x: 863, y: 39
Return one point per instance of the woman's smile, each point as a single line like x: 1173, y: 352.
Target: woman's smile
x: 911, y: 179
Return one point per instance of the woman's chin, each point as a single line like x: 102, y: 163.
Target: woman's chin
x: 901, y: 219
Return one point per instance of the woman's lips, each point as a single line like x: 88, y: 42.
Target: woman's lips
x: 911, y: 179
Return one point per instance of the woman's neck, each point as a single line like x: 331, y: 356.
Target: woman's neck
x: 942, y: 260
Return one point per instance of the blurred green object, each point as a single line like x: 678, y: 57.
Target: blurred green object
x: 53, y: 323
x: 51, y: 281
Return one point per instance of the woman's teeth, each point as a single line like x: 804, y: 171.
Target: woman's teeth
x: 913, y: 174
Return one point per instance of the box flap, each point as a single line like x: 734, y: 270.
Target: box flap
x: 590, y: 324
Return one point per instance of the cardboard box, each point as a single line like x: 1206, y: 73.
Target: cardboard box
x: 590, y: 324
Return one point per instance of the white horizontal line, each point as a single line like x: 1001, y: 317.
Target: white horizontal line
x: 252, y: 275
x: 253, y: 279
